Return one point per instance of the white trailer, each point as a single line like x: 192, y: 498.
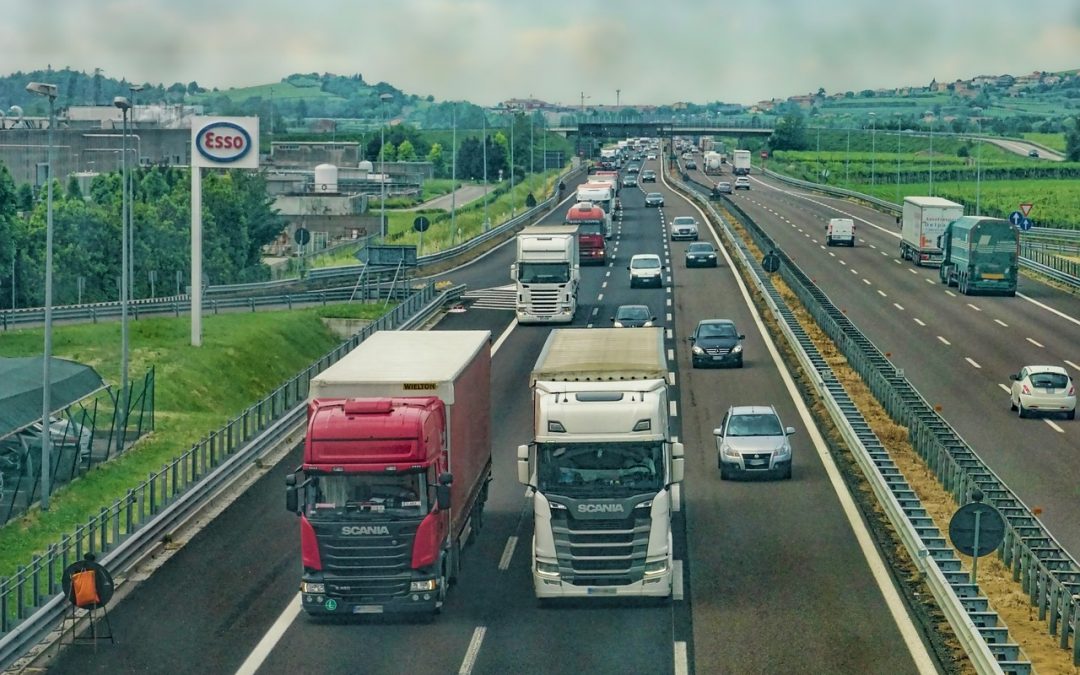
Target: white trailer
x: 741, y: 162
x: 924, y: 219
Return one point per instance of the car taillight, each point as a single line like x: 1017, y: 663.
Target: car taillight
x: 1025, y: 389
x: 1072, y: 390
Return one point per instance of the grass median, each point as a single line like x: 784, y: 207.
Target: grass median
x: 198, y: 389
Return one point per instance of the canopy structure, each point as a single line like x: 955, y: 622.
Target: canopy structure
x: 20, y: 388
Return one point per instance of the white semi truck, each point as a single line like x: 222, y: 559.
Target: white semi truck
x: 714, y: 163
x: 546, y: 274
x: 741, y: 162
x: 923, y: 221
x: 602, y: 466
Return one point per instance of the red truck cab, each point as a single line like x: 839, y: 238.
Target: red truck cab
x: 591, y: 222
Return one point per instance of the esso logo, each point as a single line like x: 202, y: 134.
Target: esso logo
x: 223, y: 142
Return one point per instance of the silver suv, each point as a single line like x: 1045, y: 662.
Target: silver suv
x: 751, y: 440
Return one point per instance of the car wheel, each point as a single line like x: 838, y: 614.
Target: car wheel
x: 739, y: 364
x: 1071, y: 415
x: 786, y: 475
x: 1020, y: 412
x: 725, y: 473
x: 1012, y: 406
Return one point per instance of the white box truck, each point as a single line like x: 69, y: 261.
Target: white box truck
x: 924, y: 219
x: 546, y: 274
x: 602, y: 465
x: 741, y: 163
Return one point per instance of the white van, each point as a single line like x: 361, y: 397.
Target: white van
x: 840, y: 231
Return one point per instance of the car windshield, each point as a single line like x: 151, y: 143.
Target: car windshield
x: 544, y: 273
x: 1049, y: 380
x: 766, y: 424
x: 700, y: 248
x: 627, y: 468
x: 708, y: 330
x: 633, y: 312
x: 655, y: 195
x: 367, y: 493
x: 645, y: 263
x: 683, y: 220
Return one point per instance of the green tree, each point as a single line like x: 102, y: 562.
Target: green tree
x: 435, y: 156
x: 24, y: 198
x: 387, y: 153
x: 73, y: 189
x: 406, y: 152
x: 789, y: 133
x: 1072, y: 141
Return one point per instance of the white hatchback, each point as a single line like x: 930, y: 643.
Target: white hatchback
x: 1047, y: 389
x: 646, y: 270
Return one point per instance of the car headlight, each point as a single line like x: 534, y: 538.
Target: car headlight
x: 421, y: 586
x: 618, y: 324
x: 656, y: 567
x: 547, y: 569
x: 648, y: 324
x: 784, y: 451
x: 729, y: 451
x: 712, y: 255
x: 737, y: 349
x: 697, y: 350
x: 317, y: 588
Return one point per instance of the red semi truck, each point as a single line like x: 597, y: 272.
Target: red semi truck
x: 397, y: 460
x: 591, y: 223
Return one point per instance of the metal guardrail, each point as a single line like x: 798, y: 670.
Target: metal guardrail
x: 31, y: 602
x: 1067, y: 273
x: 1048, y: 575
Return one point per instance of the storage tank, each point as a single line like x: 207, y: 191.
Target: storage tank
x: 365, y: 166
x: 326, y: 179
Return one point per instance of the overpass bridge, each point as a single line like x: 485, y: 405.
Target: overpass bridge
x: 656, y: 128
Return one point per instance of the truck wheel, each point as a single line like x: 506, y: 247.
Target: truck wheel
x: 965, y: 285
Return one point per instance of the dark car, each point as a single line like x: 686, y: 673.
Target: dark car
x: 633, y: 316
x: 654, y: 199
x: 716, y: 342
x: 629, y: 181
x: 701, y: 254
x: 1033, y: 153
x: 722, y: 188
x: 633, y: 168
x: 691, y: 165
x: 648, y: 176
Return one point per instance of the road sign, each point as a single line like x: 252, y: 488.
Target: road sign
x: 387, y: 256
x: 302, y: 236
x: 990, y: 533
x: 771, y: 262
x: 1025, y: 224
x: 421, y: 224
x: 764, y: 155
x: 1016, y: 218
x: 1026, y: 208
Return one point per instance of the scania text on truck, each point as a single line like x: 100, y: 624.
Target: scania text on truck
x: 590, y: 221
x: 602, y: 465
x: 980, y: 255
x: 741, y: 163
x: 397, y: 460
x: 922, y: 222
x: 546, y: 274
x: 601, y: 194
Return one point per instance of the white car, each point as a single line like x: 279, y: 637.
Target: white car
x: 651, y: 155
x: 646, y: 270
x: 1046, y: 389
x: 742, y: 183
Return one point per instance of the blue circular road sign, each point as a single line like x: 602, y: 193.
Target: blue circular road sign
x: 1016, y: 218
x: 1025, y: 224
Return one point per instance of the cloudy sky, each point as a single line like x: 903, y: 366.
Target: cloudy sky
x: 655, y: 51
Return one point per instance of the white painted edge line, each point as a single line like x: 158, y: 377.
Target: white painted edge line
x: 262, y: 650
x: 1074, y: 365
x: 1053, y: 425
x: 508, y: 553
x: 677, y: 590
x: 504, y: 336
x: 973, y: 362
x: 473, y: 651
x: 1050, y: 309
x: 682, y: 666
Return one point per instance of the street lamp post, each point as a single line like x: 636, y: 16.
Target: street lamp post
x: 453, y: 180
x: 873, y: 149
x: 124, y: 105
x: 487, y: 222
x: 134, y: 89
x: 899, y: 119
x: 49, y: 91
x: 978, y: 162
x: 930, y: 114
x: 847, y: 160
x: 513, y: 118
x: 383, y: 98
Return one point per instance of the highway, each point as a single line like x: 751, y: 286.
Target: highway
x: 958, y: 351
x: 775, y: 576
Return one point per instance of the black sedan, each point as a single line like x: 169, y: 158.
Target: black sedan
x: 654, y: 199
x: 633, y: 316
x: 701, y: 254
x: 716, y: 342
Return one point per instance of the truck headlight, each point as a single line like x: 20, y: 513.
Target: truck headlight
x: 317, y: 588
x: 547, y: 569
x: 421, y: 586
x: 697, y: 350
x: 656, y: 567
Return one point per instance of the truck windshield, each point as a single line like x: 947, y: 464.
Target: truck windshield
x: 543, y: 273
x: 589, y: 226
x: 576, y: 468
x: 400, y: 494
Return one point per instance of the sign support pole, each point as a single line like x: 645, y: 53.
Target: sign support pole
x: 196, y: 255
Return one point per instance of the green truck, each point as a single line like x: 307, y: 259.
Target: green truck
x: 979, y: 255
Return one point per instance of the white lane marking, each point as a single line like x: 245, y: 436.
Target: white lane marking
x: 854, y: 271
x: 928, y: 280
x: 821, y: 247
x: 608, y: 274
x: 508, y: 553
x: 950, y: 293
x: 1054, y: 426
x: 872, y: 246
x: 671, y: 336
x: 673, y: 408
x: 867, y: 282
x: 1074, y: 365
x: 882, y: 293
x: 977, y: 309
x: 1001, y: 323
x: 1037, y: 344
x: 669, y: 302
x: 894, y: 260
x: 943, y: 340
x: 668, y: 316
x: 597, y: 309
x: 1007, y: 391
x: 913, y: 271
x: 919, y: 321
x: 588, y: 325
x: 677, y: 580
x: 671, y: 378
x: 1048, y: 308
x: 843, y: 262
x: 270, y: 639
x: 671, y: 357
x: 898, y: 306
x: 972, y: 362
x: 600, y: 297
x: 504, y: 336
x: 604, y: 285
x: 668, y: 290
x: 473, y: 650
x: 834, y: 255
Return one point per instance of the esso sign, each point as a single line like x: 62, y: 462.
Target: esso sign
x: 223, y: 142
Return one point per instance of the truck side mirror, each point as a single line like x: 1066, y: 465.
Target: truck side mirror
x: 513, y: 271
x: 292, y: 501
x: 442, y: 491
x: 523, y: 464
x: 678, y: 463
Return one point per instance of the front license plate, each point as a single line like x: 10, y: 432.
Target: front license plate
x: 993, y: 276
x: 755, y: 462
x: 368, y: 609
x: 601, y: 591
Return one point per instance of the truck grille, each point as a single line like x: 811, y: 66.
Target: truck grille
x: 544, y: 302
x: 605, y: 552
x: 367, y: 569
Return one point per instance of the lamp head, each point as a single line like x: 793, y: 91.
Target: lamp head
x: 42, y: 89
x: 122, y: 103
